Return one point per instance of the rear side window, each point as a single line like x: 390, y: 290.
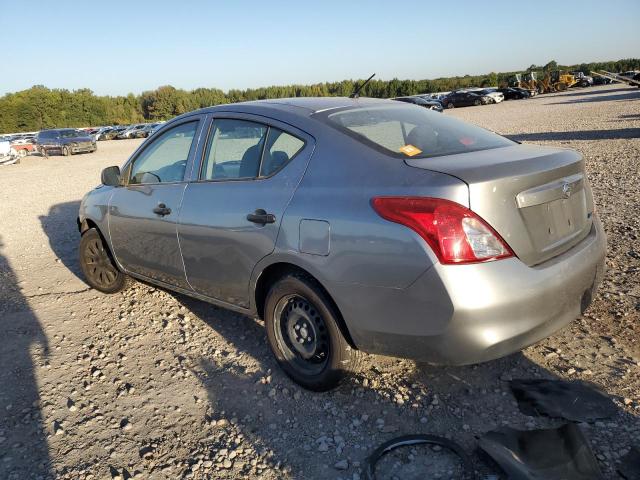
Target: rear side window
x: 281, y: 147
x: 234, y: 150
x: 411, y: 131
x: 241, y: 149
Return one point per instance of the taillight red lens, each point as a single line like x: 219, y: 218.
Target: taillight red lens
x: 455, y: 233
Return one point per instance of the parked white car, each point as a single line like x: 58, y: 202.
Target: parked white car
x: 493, y: 93
x: 8, y: 155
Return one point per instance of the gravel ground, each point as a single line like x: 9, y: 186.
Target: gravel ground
x: 149, y: 384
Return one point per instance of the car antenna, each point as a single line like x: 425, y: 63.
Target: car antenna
x: 356, y: 90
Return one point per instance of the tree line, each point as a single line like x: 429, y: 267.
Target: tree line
x: 40, y: 107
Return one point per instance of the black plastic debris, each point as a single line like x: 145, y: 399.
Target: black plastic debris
x: 629, y: 467
x: 410, y: 440
x: 576, y: 401
x: 552, y: 454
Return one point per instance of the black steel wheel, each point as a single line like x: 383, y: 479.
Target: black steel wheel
x: 301, y: 334
x: 304, y: 334
x: 98, y: 266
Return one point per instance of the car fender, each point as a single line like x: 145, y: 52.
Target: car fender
x: 94, y: 208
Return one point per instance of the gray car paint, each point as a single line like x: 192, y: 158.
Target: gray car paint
x: 142, y: 240
x: 497, y: 177
x: 394, y: 296
x: 219, y: 246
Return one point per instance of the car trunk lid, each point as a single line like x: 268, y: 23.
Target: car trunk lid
x: 537, y: 198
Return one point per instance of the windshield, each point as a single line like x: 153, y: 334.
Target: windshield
x: 70, y: 133
x: 411, y: 131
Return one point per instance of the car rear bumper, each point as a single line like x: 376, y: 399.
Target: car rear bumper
x: 464, y: 314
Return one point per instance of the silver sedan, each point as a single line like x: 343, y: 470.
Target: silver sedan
x: 352, y: 225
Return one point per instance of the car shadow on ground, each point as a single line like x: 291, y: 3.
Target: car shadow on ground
x: 632, y: 93
x: 613, y: 134
x: 590, y: 91
x: 409, y: 397
x: 62, y: 231
x: 24, y: 451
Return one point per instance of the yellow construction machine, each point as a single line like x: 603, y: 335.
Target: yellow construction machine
x: 527, y: 81
x: 553, y: 81
x: 556, y: 81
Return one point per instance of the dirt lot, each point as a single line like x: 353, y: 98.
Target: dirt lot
x: 154, y: 385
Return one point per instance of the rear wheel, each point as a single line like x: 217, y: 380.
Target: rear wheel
x: 477, y: 102
x: 450, y: 105
x: 66, y: 151
x: 98, y: 266
x: 304, y: 336
x: 22, y: 152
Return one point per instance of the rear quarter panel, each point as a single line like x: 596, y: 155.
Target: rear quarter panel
x: 342, y: 177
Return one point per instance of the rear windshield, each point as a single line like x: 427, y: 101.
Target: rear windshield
x: 411, y: 131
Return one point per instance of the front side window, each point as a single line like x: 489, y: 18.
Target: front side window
x: 406, y: 131
x: 165, y: 159
x: 234, y: 150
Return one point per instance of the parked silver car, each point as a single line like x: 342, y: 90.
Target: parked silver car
x: 352, y: 225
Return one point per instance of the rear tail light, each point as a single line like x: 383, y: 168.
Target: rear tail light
x: 456, y: 234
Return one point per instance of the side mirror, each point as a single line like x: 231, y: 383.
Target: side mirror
x: 110, y: 176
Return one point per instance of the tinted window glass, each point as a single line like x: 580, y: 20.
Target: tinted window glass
x: 69, y: 133
x: 281, y: 147
x: 234, y: 150
x: 166, y: 158
x: 407, y: 131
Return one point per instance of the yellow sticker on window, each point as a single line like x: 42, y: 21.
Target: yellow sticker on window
x: 410, y: 150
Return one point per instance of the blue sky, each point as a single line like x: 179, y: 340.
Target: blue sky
x: 130, y: 46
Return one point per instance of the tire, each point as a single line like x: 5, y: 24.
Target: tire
x: 22, y: 152
x: 97, y: 265
x: 450, y: 105
x: 66, y: 151
x: 477, y: 103
x: 304, y: 336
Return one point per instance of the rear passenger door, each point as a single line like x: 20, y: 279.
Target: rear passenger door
x: 231, y: 211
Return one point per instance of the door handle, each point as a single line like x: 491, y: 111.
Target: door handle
x: 262, y: 217
x: 162, y: 210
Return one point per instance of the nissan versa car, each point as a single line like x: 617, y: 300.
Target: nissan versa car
x: 352, y: 225
x: 65, y: 141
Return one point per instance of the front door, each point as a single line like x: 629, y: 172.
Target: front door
x: 143, y: 213
x: 231, y: 214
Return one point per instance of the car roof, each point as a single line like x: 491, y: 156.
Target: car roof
x: 302, y: 106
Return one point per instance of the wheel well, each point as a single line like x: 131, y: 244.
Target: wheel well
x: 86, y: 225
x: 274, y: 272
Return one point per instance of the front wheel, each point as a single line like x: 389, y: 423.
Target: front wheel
x: 98, y: 266
x: 450, y: 105
x: 304, y: 336
x: 66, y: 151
